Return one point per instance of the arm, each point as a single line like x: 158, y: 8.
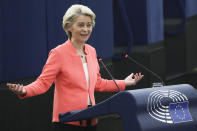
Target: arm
x: 128, y: 81
x: 108, y: 85
x: 43, y: 82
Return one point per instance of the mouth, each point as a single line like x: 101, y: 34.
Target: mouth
x: 84, y: 35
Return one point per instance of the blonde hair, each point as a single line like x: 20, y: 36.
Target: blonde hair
x: 72, y: 13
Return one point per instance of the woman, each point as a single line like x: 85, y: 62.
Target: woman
x: 74, y: 68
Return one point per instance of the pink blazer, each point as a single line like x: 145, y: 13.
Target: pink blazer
x: 64, y: 68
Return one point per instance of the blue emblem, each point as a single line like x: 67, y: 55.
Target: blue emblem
x: 180, y: 112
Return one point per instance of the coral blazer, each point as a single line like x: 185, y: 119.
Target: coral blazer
x: 65, y: 68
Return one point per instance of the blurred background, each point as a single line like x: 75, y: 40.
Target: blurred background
x: 159, y: 34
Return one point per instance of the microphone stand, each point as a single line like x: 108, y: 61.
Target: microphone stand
x: 101, y: 61
x: 157, y: 76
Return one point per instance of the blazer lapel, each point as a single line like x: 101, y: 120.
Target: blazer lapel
x: 77, y: 59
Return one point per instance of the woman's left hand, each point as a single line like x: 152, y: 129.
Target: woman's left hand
x: 133, y: 79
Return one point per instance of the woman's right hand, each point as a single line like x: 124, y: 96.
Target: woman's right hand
x: 17, y: 88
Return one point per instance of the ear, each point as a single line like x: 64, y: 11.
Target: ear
x: 68, y: 27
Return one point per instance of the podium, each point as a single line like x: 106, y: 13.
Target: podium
x: 167, y: 108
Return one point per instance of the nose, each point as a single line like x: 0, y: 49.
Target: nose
x: 85, y: 28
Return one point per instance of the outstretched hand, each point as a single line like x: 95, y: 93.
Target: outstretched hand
x: 133, y: 79
x: 17, y: 88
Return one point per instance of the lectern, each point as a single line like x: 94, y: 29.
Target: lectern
x: 167, y: 108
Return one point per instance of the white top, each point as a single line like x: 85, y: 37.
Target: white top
x: 85, y: 67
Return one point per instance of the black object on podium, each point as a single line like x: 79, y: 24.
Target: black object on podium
x: 167, y: 108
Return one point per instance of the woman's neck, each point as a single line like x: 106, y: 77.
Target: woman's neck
x: 78, y: 45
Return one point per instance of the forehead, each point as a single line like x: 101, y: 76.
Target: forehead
x: 83, y: 18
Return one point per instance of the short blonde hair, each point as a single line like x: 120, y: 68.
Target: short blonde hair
x: 72, y: 13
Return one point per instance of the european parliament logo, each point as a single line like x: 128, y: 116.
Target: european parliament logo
x: 180, y: 112
x: 169, y: 106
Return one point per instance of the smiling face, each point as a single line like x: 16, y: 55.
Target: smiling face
x: 81, y: 29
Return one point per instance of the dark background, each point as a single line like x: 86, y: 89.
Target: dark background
x: 160, y: 34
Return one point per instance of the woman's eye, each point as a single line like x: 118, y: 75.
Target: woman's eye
x: 89, y: 25
x: 81, y: 25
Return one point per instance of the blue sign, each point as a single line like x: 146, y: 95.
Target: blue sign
x: 180, y: 112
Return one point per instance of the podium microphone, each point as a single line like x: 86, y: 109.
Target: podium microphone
x: 157, y: 76
x: 101, y: 61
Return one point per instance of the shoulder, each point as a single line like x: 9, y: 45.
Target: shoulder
x: 90, y: 48
x: 59, y: 48
x: 56, y: 52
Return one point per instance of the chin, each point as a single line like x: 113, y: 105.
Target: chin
x: 84, y: 39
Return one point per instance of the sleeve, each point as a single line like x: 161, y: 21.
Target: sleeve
x: 48, y: 75
x: 107, y: 85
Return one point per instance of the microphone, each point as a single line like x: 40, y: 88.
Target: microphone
x: 101, y: 61
x: 153, y: 73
